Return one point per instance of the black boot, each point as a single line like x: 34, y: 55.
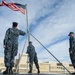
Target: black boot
x: 38, y: 71
x: 6, y: 71
x: 30, y: 71
x: 73, y: 73
x: 10, y: 70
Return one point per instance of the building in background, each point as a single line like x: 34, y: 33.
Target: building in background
x: 45, y: 67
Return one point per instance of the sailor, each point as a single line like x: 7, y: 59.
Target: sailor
x: 11, y: 46
x: 32, y: 57
x: 72, y: 48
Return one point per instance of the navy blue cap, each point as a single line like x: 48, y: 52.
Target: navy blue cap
x: 71, y: 33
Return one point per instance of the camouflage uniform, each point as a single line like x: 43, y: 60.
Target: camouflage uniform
x: 11, y: 42
x: 32, y: 57
x: 72, y: 49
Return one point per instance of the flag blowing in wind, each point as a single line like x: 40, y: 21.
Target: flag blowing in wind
x: 14, y: 6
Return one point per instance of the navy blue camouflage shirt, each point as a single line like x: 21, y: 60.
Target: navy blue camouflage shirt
x: 12, y: 34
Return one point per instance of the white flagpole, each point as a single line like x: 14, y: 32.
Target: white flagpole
x: 27, y: 32
x: 27, y: 24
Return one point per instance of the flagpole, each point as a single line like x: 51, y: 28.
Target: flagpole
x: 27, y: 32
x: 27, y: 24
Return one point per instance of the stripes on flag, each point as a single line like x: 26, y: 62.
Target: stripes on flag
x: 14, y: 6
x: 1, y: 4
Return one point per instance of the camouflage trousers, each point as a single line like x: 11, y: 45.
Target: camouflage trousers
x: 9, y: 54
x: 33, y: 58
x: 72, y: 57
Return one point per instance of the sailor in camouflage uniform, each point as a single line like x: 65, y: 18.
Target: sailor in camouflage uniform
x: 32, y: 57
x: 72, y: 49
x: 11, y: 46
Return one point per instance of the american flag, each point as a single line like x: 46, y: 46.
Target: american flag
x: 14, y: 6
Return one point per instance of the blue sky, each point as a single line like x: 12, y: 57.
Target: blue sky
x: 50, y: 21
